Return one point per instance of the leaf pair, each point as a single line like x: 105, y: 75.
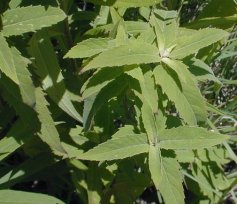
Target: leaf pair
x: 164, y: 170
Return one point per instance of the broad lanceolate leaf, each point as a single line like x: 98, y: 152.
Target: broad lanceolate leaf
x: 26, y: 86
x: 170, y: 84
x: 49, y: 133
x: 20, y: 197
x: 133, y: 53
x: 166, y: 176
x: 186, y: 45
x: 88, y: 48
x: 7, y: 65
x: 15, y: 67
x: 189, y: 138
x: 50, y: 73
x: 170, y: 185
x: 189, y: 88
x: 126, y: 3
x: 25, y: 19
x: 118, y: 147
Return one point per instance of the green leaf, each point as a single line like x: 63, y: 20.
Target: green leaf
x: 14, y: 138
x: 166, y: 14
x: 26, y: 86
x: 168, y: 180
x: 93, y: 103
x: 202, y: 71
x: 217, y: 22
x: 132, y: 27
x: 189, y: 138
x: 126, y: 3
x: 26, y: 169
x: 187, y: 45
x: 99, y: 80
x: 15, y: 67
x: 174, y: 92
x: 48, y: 69
x: 119, y: 147
x: 149, y: 122
x: 171, y: 184
x: 49, y: 133
x: 7, y: 65
x: 132, y: 53
x: 20, y: 197
x: 189, y: 88
x: 218, y: 9
x: 26, y: 19
x: 12, y: 95
x: 149, y: 89
x: 88, y: 48
x: 155, y: 164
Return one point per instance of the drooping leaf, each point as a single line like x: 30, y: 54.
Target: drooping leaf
x: 88, y: 48
x: 50, y: 73
x: 19, y: 197
x: 118, y: 148
x: 187, y: 45
x: 15, y: 67
x: 132, y: 53
x: 155, y: 164
x: 26, y: 86
x: 202, y: 71
x: 163, y: 77
x: 26, y: 19
x: 167, y: 177
x: 189, y: 88
x: 126, y: 3
x: 189, y: 138
x: 48, y: 133
x: 7, y: 65
x: 171, y: 184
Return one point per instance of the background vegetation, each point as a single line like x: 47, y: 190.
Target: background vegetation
x: 115, y: 101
